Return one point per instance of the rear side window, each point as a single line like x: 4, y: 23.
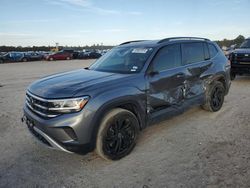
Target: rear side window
x: 212, y: 50
x: 192, y: 52
x: 168, y: 57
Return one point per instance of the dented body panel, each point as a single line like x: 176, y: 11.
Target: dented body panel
x: 173, y: 91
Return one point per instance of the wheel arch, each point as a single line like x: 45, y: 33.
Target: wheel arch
x: 221, y: 78
x: 129, y: 104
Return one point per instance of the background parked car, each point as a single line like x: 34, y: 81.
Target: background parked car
x: 45, y: 54
x: 228, y: 50
x: 59, y: 56
x: 1, y: 59
x: 2, y: 53
x: 89, y: 55
x: 32, y: 56
x: 240, y: 60
x: 12, y: 57
x: 73, y: 52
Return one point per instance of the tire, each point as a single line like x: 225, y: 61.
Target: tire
x: 51, y: 58
x: 1, y: 61
x: 24, y: 59
x: 232, y: 76
x: 68, y: 58
x: 214, y: 97
x: 117, y: 134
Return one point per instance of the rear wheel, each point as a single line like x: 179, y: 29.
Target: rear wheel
x: 51, y: 58
x: 1, y: 61
x: 68, y: 58
x: 117, y: 134
x: 24, y: 59
x: 214, y: 97
x: 232, y: 75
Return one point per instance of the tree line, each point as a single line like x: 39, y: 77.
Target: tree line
x: 225, y: 42
x: 237, y: 41
x: 49, y: 48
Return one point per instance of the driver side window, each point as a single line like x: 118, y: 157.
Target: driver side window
x: 167, y: 57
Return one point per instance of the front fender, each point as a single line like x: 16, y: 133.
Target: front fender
x: 108, y: 100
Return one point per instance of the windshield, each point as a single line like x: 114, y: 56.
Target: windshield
x: 123, y: 60
x: 245, y: 44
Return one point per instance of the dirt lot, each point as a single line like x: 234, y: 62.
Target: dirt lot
x: 195, y: 149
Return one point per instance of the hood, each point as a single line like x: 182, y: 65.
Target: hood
x: 66, y: 85
x: 242, y: 51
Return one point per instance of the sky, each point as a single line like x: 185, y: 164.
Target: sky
x: 110, y: 22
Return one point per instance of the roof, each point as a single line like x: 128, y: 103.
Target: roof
x: 152, y: 43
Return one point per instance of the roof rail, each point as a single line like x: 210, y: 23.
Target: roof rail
x: 131, y: 42
x: 182, y: 38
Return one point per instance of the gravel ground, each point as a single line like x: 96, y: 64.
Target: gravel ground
x: 195, y: 149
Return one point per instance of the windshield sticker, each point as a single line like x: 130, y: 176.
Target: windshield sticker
x: 140, y: 50
x: 134, y: 68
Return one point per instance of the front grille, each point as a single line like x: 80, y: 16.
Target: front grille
x: 242, y: 57
x: 39, y: 106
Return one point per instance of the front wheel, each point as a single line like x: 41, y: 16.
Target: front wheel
x: 117, y: 134
x: 214, y: 97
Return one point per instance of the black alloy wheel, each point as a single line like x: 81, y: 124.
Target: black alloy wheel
x: 214, y: 97
x: 232, y: 76
x: 117, y: 134
x: 217, y: 98
x: 120, y: 136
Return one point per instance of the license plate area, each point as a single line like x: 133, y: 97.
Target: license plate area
x: 30, y: 124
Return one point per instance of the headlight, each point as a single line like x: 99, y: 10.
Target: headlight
x: 68, y: 105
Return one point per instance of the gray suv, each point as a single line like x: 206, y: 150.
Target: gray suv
x: 138, y: 83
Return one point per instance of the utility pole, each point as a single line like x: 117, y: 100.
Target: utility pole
x: 57, y: 46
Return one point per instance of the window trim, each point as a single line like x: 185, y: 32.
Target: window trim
x: 209, y: 50
x: 150, y: 67
x: 205, y: 45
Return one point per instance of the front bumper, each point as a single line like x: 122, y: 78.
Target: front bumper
x: 43, y: 137
x: 240, y: 68
x: 68, y: 133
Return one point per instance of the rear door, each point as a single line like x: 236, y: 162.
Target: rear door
x: 166, y: 79
x: 196, y: 60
